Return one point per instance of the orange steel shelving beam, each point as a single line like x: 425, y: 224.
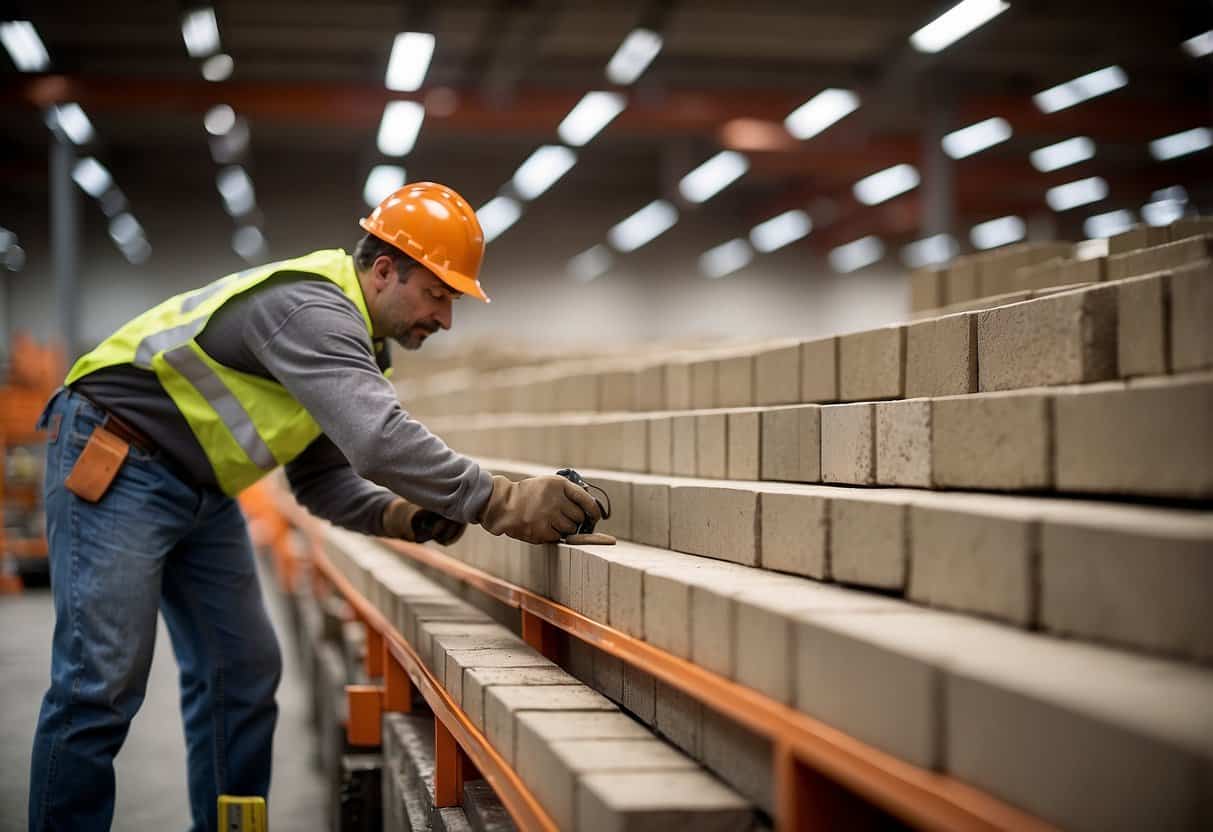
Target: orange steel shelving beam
x: 824, y: 778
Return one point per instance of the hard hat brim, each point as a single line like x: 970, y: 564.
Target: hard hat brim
x: 458, y: 282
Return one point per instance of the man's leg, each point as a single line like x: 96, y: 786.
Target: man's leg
x: 229, y: 659
x: 105, y: 560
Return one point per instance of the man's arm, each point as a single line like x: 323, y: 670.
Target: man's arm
x: 324, y: 483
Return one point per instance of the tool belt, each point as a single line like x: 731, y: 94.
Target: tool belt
x: 104, y: 454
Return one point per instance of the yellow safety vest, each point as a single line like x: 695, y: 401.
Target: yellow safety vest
x: 247, y: 425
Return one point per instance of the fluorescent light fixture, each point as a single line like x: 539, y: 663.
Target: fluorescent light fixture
x: 1085, y: 87
x: 229, y: 147
x: 1200, y: 45
x: 237, y: 190
x: 541, y: 170
x: 400, y: 126
x: 976, y: 137
x: 725, y: 258
x: 410, y: 60
x: 819, y: 112
x: 713, y: 176
x: 380, y: 182
x: 1073, y: 194
x: 644, y: 226
x: 7, y: 239
x: 1181, y: 144
x: 92, y: 177
x: 999, y: 232
x: 1165, y: 206
x: 855, y: 255
x: 137, y: 251
x: 71, y: 119
x: 201, y: 32
x: 1063, y: 154
x: 780, y: 230
x: 591, y: 263
x: 591, y: 114
x: 955, y: 23
x: 21, y: 40
x: 218, y: 67
x: 219, y: 120
x: 886, y: 184
x: 939, y: 248
x: 125, y: 229
x: 633, y: 56
x: 1109, y: 224
x: 497, y: 215
x: 113, y: 202
x: 248, y: 242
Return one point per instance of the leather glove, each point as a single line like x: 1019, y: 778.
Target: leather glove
x: 537, y: 509
x: 418, y: 525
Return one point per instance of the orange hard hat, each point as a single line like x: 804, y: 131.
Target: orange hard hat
x: 437, y: 228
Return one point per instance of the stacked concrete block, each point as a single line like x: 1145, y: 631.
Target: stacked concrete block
x: 1136, y: 238
x: 777, y: 375
x: 679, y: 718
x: 578, y: 392
x: 1187, y: 227
x: 617, y: 801
x: 744, y: 453
x: 819, y: 370
x: 1000, y: 441
x: 742, y: 758
x: 1143, y: 338
x: 1060, y: 272
x: 703, y: 383
x: 1190, y: 313
x: 735, y: 381
x: 471, y: 683
x: 639, y: 694
x: 795, y: 533
x: 964, y: 279
x: 648, y: 388
x: 903, y: 443
x: 711, y: 445
x: 869, y: 538
x: 677, y: 384
x: 941, y: 356
x: 682, y: 453
x: 713, y: 613
x: 848, y: 444
x: 661, y: 444
x: 651, y: 511
x: 714, y: 521
x: 791, y: 443
x: 1000, y: 268
x: 667, y: 597
x: 635, y: 440
x: 928, y: 288
x: 1148, y: 438
x: 1067, y: 338
x: 1160, y: 258
x: 616, y: 391
x: 871, y: 364
x: 504, y: 703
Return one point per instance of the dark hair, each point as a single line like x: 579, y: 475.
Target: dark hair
x: 370, y: 248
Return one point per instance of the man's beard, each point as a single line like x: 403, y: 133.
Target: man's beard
x: 410, y: 339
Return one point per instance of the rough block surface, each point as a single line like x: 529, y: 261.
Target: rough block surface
x: 941, y: 356
x: 791, y: 443
x: 871, y: 364
x: 903, y: 443
x: 848, y: 444
x: 819, y: 370
x: 993, y: 440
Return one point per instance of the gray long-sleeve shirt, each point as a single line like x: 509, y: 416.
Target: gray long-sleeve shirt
x: 300, y: 330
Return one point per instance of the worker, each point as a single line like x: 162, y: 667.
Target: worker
x: 157, y: 429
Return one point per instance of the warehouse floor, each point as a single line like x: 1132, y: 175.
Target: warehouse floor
x: 151, y: 767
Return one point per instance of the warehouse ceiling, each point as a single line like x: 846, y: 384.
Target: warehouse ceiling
x: 308, y: 81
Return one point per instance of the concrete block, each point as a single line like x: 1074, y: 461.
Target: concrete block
x: 743, y: 759
x: 651, y: 513
x: 941, y: 356
x: 711, y: 445
x: 1187, y: 227
x: 578, y: 658
x: 768, y: 616
x: 648, y: 392
x: 848, y: 444
x: 635, y: 445
x: 619, y: 490
x: 963, y: 279
x: 735, y: 381
x: 661, y: 444
x: 993, y: 440
x: 1166, y: 257
x: 978, y: 555
x: 608, y: 676
x: 795, y: 533
x: 1138, y: 237
x: 791, y: 443
x: 869, y: 540
x: 1067, y: 338
x: 474, y: 681
x: 677, y: 385
x: 1143, y: 325
x: 903, y: 443
x: 777, y: 375
x: 554, y: 726
x: 703, y: 384
x: 577, y: 392
x: 1191, y: 312
x: 679, y: 718
x: 691, y: 800
x: 683, y: 458
x: 615, y: 391
x: 1137, y: 577
x: 639, y: 694
x: 871, y: 364
x: 713, y: 614
x: 744, y: 430
x: 928, y: 288
x: 594, y: 574
x: 502, y: 704
x: 554, y: 768
x: 716, y: 522
x: 1151, y: 439
x: 819, y: 370
x: 626, y: 564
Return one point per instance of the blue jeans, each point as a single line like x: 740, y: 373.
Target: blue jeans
x: 153, y: 542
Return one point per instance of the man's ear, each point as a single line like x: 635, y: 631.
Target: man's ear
x: 381, y: 271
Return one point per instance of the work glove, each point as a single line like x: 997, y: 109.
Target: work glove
x: 418, y: 525
x: 537, y: 509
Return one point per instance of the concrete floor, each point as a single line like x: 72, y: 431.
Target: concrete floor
x: 151, y: 766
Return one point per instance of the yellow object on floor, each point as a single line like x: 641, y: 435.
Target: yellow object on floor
x: 242, y: 814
